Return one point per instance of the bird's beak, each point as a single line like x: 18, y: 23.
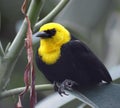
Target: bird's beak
x: 41, y: 34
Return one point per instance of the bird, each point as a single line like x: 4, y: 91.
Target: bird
x: 67, y: 61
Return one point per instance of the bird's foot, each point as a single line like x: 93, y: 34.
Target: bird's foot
x: 67, y: 84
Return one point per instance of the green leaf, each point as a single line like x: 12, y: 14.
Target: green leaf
x: 102, y: 96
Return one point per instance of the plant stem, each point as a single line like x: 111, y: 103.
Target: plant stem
x: 7, y: 63
x: 16, y: 91
x: 18, y: 42
x: 52, y: 14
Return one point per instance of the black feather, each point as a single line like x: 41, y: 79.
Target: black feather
x: 78, y: 63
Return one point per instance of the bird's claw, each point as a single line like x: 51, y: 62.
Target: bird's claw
x: 67, y: 84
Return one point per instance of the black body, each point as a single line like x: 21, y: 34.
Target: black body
x: 78, y: 63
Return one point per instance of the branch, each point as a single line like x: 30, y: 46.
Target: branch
x: 16, y: 91
x: 18, y: 42
x: 52, y: 14
x: 7, y: 63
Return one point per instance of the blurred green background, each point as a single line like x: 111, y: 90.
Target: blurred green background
x: 98, y: 22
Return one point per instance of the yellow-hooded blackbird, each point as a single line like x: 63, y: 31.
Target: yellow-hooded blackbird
x: 66, y: 60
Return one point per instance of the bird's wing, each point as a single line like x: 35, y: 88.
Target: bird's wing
x: 87, y: 58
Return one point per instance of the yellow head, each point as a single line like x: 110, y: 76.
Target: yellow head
x: 53, y: 36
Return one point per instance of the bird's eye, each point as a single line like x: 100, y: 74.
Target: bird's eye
x: 51, y: 32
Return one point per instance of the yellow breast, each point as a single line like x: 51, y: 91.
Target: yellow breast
x: 49, y: 57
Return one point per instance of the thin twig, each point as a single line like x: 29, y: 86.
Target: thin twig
x: 16, y: 91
